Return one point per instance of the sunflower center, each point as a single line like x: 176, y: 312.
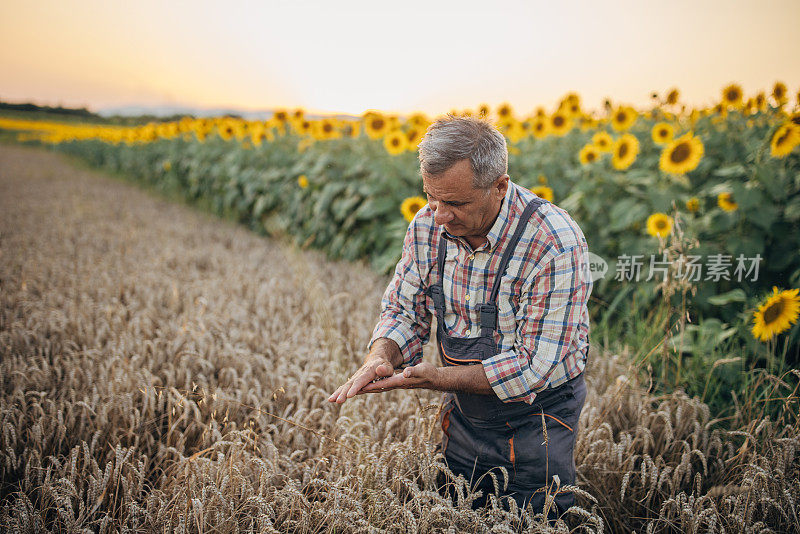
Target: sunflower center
x: 590, y: 156
x: 558, y: 121
x: 681, y: 153
x: 377, y: 124
x: 773, y: 312
x: 621, y: 117
x: 661, y: 224
x: 623, y: 150
x: 395, y: 141
x: 782, y: 139
x: 327, y: 128
x: 663, y: 133
x: 733, y: 95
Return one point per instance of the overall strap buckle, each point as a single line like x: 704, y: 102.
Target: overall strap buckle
x: 488, y: 316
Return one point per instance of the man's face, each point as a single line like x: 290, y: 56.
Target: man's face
x: 463, y: 210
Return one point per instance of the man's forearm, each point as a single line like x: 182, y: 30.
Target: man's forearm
x: 464, y: 378
x: 387, y: 349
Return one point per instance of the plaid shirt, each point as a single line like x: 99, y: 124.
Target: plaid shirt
x: 543, y: 321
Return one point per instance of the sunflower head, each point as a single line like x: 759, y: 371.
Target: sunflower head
x: 662, y: 133
x: 727, y: 202
x: 542, y: 179
x: 693, y: 204
x: 302, y: 181
x: 539, y: 127
x: 776, y: 314
x: 411, y: 206
x: 603, y: 141
x: 784, y: 140
x: 779, y: 93
x: 560, y: 123
x: 623, y: 118
x: 542, y: 191
x: 732, y: 95
x: 395, y: 142
x: 672, y: 97
x: 682, y: 155
x: 659, y: 224
x: 624, y: 153
x: 589, y: 154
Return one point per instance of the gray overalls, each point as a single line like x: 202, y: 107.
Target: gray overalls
x: 480, y: 432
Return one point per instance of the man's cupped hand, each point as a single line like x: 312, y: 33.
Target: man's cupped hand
x: 372, y: 369
x: 377, y: 376
x: 423, y: 375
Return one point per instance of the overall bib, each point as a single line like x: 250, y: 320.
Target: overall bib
x: 480, y: 432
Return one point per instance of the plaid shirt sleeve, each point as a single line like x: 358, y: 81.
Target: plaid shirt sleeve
x: 548, y: 321
x: 405, y: 318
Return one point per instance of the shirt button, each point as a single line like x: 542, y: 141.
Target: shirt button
x: 467, y: 297
x: 472, y: 256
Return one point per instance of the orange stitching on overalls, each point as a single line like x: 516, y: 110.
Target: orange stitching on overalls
x: 445, y: 426
x: 562, y: 423
x: 453, y: 359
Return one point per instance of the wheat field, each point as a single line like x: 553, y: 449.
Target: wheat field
x: 165, y: 371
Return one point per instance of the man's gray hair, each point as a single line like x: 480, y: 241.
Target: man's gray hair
x: 451, y: 139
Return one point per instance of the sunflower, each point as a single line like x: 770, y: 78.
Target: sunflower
x: 395, y: 142
x: 623, y: 118
x: 732, y: 95
x: 625, y: 151
x: 682, y: 155
x: 542, y: 179
x: 779, y: 93
x: 302, y: 181
x: 484, y: 110
x: 281, y: 115
x: 659, y: 224
x: 726, y: 202
x: 350, y: 128
x: 302, y: 126
x: 761, y: 101
x: 414, y: 137
x: 559, y: 124
x: 542, y: 191
x: 515, y: 131
x: 325, y: 129
x: 375, y: 124
x: 603, y: 141
x: 589, y: 154
x: 672, y: 97
x: 784, y: 140
x: 411, y: 206
x: 693, y: 204
x: 776, y: 314
x: 662, y: 133
x: 504, y: 113
x: 539, y: 127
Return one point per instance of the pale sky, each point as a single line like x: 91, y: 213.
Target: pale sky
x: 349, y: 56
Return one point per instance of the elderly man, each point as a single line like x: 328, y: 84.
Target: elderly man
x: 506, y: 275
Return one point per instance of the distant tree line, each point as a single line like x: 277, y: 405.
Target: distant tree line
x: 85, y: 114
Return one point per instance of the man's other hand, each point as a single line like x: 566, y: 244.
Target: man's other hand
x: 372, y: 369
x: 423, y: 375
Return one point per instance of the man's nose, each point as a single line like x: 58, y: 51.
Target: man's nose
x: 441, y: 215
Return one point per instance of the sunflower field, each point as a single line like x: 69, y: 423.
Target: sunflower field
x: 696, y: 211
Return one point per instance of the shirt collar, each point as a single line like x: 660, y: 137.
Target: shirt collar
x: 503, y: 221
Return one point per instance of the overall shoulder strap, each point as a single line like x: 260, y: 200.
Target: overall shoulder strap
x: 488, y: 311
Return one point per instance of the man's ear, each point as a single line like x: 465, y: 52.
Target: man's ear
x: 501, y: 186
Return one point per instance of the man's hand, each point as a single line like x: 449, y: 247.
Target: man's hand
x: 423, y: 375
x: 372, y: 369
